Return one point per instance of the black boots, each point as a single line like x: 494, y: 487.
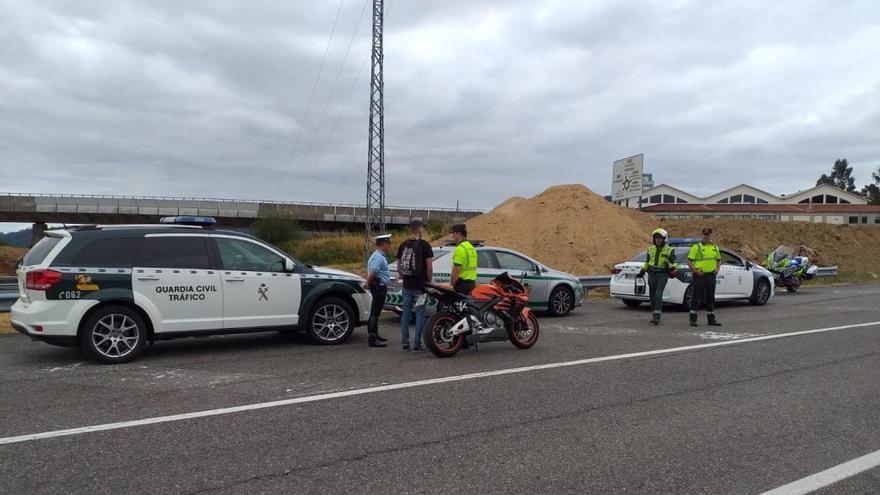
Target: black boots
x: 376, y: 341
x: 712, y: 321
x: 655, y: 318
x: 381, y: 338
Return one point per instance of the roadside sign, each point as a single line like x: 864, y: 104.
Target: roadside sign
x: 626, y: 179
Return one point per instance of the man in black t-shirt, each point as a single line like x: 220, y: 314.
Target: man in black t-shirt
x: 415, y: 265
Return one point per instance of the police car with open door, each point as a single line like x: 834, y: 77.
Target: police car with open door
x: 111, y: 289
x: 738, y: 279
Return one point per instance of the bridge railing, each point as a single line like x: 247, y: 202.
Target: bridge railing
x: 224, y: 208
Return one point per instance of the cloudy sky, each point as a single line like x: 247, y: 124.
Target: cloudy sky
x: 484, y: 99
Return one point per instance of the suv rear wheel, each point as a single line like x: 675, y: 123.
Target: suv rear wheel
x: 331, y: 321
x: 113, y: 334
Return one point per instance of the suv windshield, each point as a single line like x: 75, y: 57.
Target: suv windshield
x: 38, y: 253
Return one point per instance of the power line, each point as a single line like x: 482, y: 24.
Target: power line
x: 318, y: 77
x: 338, y: 75
x: 344, y: 107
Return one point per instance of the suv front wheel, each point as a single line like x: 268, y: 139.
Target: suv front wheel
x: 113, y: 334
x: 331, y: 321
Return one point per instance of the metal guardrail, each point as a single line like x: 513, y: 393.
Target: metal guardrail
x: 8, y: 293
x: 593, y: 281
x: 826, y: 271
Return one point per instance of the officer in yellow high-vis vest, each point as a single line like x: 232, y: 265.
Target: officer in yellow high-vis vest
x: 464, y: 261
x: 704, y: 259
x: 660, y: 263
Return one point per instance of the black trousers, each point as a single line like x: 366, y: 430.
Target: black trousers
x: 464, y: 286
x: 704, y: 292
x: 378, y: 292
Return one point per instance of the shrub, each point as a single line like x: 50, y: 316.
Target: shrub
x: 278, y: 229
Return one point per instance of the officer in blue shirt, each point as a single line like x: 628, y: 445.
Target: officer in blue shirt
x: 377, y: 281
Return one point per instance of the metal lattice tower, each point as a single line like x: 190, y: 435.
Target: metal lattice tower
x: 375, y: 206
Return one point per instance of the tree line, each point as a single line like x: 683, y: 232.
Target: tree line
x: 841, y: 177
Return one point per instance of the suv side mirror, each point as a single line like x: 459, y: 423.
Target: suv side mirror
x: 749, y: 265
x: 289, y: 266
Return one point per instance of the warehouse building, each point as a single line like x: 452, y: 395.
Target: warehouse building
x: 820, y: 204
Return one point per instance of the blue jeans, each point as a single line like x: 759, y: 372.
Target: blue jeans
x: 409, y: 299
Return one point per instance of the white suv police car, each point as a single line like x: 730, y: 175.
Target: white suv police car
x: 112, y: 289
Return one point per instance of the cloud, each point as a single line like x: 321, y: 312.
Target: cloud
x: 483, y: 100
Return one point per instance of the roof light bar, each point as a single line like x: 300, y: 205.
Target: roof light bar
x: 189, y: 220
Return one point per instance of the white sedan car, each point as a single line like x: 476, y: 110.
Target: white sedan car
x: 738, y: 279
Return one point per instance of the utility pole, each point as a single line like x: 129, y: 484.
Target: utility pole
x: 375, y: 206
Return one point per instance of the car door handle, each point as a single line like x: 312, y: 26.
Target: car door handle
x: 234, y: 279
x: 148, y: 277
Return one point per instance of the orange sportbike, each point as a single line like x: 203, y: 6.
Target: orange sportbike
x: 493, y: 312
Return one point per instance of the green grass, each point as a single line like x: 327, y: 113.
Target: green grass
x: 346, y: 249
x: 5, y: 326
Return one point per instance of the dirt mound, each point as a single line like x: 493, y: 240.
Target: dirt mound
x: 568, y: 227
x: 8, y: 257
x: 571, y: 228
x: 850, y: 247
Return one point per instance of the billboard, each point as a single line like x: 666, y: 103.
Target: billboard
x: 626, y: 179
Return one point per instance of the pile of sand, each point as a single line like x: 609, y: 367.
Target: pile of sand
x: 567, y: 227
x: 8, y: 257
x: 571, y: 228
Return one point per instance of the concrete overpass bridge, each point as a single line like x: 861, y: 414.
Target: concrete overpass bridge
x: 105, y: 209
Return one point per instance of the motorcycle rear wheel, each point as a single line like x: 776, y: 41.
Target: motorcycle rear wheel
x: 524, y: 334
x: 437, y: 338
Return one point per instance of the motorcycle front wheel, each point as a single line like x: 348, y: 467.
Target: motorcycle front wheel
x: 524, y: 333
x: 438, y: 337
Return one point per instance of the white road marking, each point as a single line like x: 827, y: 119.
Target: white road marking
x: 829, y: 476
x: 726, y: 336
x: 405, y: 385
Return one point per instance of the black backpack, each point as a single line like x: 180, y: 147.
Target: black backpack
x: 410, y: 263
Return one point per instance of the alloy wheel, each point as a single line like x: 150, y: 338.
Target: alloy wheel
x: 115, y: 335
x: 562, y: 302
x: 331, y: 322
x: 763, y: 292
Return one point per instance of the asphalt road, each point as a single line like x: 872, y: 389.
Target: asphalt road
x: 741, y: 419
